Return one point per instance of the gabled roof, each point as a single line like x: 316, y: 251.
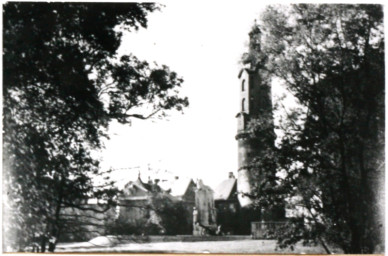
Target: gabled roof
x: 177, y: 187
x: 140, y: 184
x: 225, y: 189
x: 136, y: 189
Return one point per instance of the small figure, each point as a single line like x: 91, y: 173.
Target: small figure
x: 218, y: 231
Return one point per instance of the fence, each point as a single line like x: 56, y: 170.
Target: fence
x: 265, y: 229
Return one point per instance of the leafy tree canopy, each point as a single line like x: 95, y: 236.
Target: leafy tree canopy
x: 331, y: 58
x: 63, y: 84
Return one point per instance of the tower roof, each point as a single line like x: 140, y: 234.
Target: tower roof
x: 255, y: 29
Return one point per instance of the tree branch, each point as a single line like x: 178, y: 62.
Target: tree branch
x: 139, y: 116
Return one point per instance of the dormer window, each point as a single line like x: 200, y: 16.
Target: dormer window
x: 243, y: 85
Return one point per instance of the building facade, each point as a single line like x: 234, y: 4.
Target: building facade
x: 228, y: 206
x: 204, y: 213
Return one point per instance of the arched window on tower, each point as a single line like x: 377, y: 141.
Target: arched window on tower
x: 243, y: 85
x: 243, y: 105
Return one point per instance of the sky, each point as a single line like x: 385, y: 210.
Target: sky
x: 203, y: 43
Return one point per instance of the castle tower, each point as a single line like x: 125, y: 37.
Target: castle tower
x: 255, y: 100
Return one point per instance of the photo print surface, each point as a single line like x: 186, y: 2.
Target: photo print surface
x: 193, y: 128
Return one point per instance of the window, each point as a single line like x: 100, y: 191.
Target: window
x: 243, y: 85
x: 243, y: 105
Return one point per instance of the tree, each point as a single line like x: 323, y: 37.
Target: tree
x: 63, y: 84
x: 331, y: 58
x: 161, y: 214
x: 172, y: 214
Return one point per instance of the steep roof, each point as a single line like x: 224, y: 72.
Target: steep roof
x: 140, y: 184
x: 177, y: 187
x: 136, y: 189
x: 225, y: 189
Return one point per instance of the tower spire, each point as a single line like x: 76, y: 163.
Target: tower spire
x: 254, y: 56
x: 255, y: 98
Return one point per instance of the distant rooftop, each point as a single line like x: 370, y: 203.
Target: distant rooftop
x: 224, y: 190
x: 177, y: 186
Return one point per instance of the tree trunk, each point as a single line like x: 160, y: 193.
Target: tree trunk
x: 52, y: 246
x: 43, y: 243
x: 56, y: 228
x: 355, y: 243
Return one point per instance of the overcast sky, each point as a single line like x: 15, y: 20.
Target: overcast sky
x: 202, y: 42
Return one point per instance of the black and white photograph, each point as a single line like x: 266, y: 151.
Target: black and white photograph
x: 240, y: 127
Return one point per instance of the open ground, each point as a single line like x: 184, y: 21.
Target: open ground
x: 105, y: 245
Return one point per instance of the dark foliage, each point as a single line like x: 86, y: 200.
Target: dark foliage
x: 163, y: 216
x: 62, y: 86
x: 331, y: 157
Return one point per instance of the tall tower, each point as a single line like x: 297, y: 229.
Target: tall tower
x: 255, y: 101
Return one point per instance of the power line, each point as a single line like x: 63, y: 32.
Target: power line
x: 125, y: 168
x: 154, y: 171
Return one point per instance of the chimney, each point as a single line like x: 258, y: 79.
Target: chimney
x: 231, y: 176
